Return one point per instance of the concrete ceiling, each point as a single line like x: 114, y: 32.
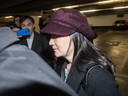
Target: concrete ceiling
x: 33, y: 7
x: 10, y: 7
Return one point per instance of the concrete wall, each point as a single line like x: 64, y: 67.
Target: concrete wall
x: 105, y: 20
x: 37, y: 29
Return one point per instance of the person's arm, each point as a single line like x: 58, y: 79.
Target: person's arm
x: 15, y: 32
x: 41, y: 25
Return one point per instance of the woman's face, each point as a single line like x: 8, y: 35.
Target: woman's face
x: 62, y: 46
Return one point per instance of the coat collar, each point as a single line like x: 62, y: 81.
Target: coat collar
x: 36, y: 41
x: 75, y: 77
x: 23, y: 41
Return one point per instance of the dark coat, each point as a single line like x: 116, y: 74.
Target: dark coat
x: 24, y: 73
x: 99, y: 81
x: 41, y: 47
x: 41, y: 25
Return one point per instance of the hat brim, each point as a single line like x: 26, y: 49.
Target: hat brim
x: 57, y: 29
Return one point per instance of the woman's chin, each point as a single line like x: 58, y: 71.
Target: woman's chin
x: 57, y: 55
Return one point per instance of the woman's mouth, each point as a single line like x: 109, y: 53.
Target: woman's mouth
x: 54, y: 49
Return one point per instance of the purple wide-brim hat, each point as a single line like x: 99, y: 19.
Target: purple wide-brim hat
x: 68, y: 21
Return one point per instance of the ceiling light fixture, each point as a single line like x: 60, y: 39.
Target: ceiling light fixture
x: 107, y: 1
x: 112, y: 1
x: 55, y: 9
x: 68, y: 7
x: 74, y: 6
x: 81, y: 5
x: 118, y: 7
x: 39, y: 16
x: 125, y: 6
x: 88, y: 11
x: 104, y: 9
x: 8, y: 17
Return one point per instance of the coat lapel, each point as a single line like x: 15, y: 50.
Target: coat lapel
x: 24, y: 42
x: 75, y: 77
x: 36, y: 41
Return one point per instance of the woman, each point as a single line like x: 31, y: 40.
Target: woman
x: 70, y: 38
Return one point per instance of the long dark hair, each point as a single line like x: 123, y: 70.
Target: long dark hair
x: 85, y: 52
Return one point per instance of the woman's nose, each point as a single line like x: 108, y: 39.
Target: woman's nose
x: 51, y: 42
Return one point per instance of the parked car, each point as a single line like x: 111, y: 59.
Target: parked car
x: 120, y: 24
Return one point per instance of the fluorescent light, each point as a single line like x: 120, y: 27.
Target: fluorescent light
x: 39, y: 16
x: 118, y: 7
x: 106, y: 1
x: 88, y: 11
x: 118, y: 0
x: 83, y: 11
x: 95, y: 3
x: 74, y: 6
x: 109, y: 1
x: 61, y: 7
x: 126, y: 6
x: 68, y: 7
x: 103, y: 9
x: 55, y: 9
x: 8, y: 17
